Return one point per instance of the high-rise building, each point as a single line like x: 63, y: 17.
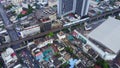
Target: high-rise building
x: 72, y: 6
x: 82, y: 7
x: 65, y: 7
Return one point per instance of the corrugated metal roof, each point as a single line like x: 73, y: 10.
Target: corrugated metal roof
x: 108, y: 33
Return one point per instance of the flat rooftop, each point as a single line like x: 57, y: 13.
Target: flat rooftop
x: 108, y: 34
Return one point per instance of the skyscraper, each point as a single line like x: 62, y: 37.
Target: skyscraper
x: 82, y: 7
x: 65, y: 7
x: 73, y: 6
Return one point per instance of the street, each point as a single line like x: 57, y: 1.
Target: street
x: 16, y: 41
x: 96, y: 23
x: 12, y: 33
x: 28, y: 59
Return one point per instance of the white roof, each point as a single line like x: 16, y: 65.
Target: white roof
x: 8, y: 59
x: 9, y: 50
x: 108, y: 33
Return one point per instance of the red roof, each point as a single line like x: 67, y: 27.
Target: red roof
x: 71, y: 14
x: 96, y: 66
x: 38, y: 54
x: 24, y: 12
x: 13, y: 54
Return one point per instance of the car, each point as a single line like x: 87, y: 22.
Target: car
x: 87, y: 27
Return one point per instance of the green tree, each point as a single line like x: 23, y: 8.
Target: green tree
x: 20, y: 15
x: 102, y: 63
x: 0, y: 65
x: 29, y: 11
x: 65, y: 30
x: 49, y: 44
x: 69, y: 50
x: 65, y: 65
x: 57, y: 54
x: 51, y: 34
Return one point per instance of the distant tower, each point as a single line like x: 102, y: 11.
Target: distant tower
x: 71, y: 6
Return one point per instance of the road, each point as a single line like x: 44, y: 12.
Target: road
x: 31, y: 37
x: 31, y: 58
x: 106, y: 14
x: 58, y: 29
x: 12, y: 33
x: 28, y: 59
x: 96, y: 23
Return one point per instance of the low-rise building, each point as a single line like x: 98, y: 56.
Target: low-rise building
x: 37, y: 53
x: 106, y: 35
x: 56, y: 24
x: 4, y: 37
x: 32, y: 30
x: 46, y: 42
x: 57, y: 62
x: 17, y: 9
x: 9, y: 57
x: 79, y: 64
x: 61, y: 35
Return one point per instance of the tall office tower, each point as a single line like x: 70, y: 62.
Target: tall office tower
x: 65, y: 7
x: 82, y: 7
x: 71, y: 6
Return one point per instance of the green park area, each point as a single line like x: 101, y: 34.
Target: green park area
x: 28, y: 11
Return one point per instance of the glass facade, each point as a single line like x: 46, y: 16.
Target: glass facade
x: 67, y: 6
x: 79, y: 5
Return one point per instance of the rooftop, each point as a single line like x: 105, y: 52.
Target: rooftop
x: 108, y: 34
x: 9, y: 57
